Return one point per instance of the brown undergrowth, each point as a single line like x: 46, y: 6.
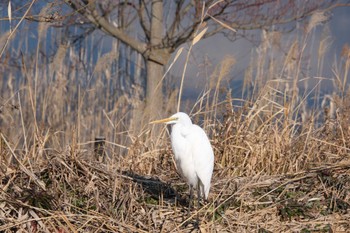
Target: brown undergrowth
x: 264, y: 181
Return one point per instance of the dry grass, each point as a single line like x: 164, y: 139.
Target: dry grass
x: 281, y: 165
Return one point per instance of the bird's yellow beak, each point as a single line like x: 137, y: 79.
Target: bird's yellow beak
x: 165, y: 120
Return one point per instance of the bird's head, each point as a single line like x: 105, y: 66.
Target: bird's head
x: 179, y: 117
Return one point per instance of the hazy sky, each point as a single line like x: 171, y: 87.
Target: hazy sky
x: 216, y: 48
x: 207, y: 53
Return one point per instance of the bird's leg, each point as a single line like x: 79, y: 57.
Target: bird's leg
x: 199, y: 197
x: 191, y: 197
x: 198, y: 193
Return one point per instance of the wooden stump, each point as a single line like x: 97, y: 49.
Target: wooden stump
x: 99, y: 149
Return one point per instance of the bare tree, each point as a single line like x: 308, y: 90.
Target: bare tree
x: 163, y: 26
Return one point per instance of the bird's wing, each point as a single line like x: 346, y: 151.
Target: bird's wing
x: 203, y: 156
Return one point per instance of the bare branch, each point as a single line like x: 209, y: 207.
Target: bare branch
x: 143, y: 21
x: 102, y: 23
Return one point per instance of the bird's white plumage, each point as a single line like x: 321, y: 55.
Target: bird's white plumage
x: 193, y: 152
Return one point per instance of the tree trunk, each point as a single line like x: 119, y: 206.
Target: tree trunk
x: 154, y: 94
x: 155, y: 71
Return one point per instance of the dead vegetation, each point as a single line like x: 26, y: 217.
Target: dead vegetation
x: 143, y: 193
x: 267, y: 178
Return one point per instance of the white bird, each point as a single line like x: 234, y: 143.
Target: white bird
x: 193, y: 153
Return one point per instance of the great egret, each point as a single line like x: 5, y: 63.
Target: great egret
x: 193, y: 153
